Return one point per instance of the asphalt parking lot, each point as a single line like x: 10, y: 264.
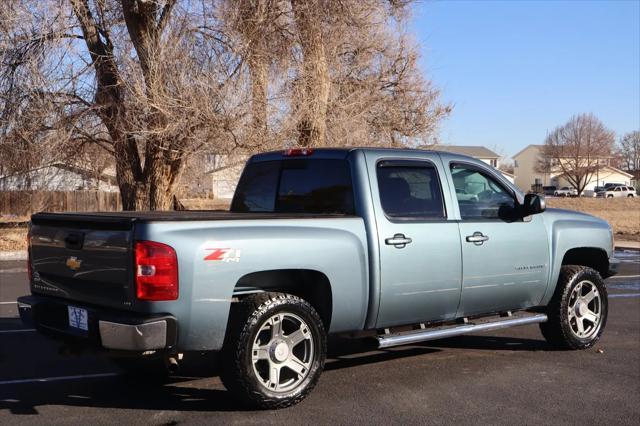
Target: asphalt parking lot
x: 509, y: 376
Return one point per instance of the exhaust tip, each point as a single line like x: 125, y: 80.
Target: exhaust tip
x: 172, y: 365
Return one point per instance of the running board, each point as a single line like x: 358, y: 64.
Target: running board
x: 415, y: 336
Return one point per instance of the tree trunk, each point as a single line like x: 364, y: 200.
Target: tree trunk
x: 163, y: 178
x: 259, y: 89
x: 251, y: 24
x: 312, y: 124
x: 109, y: 99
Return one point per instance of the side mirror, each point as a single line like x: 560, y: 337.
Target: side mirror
x: 533, y: 204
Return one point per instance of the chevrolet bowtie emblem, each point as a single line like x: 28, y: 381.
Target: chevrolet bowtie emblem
x: 74, y: 263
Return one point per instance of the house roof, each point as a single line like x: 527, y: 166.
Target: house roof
x: 470, y: 150
x: 525, y: 148
x: 622, y: 172
x: 86, y: 174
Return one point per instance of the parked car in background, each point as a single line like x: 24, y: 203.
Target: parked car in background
x: 610, y: 185
x: 618, y: 191
x: 549, y: 190
x: 566, y: 191
x: 591, y: 193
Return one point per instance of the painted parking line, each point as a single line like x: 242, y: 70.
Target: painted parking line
x: 58, y: 379
x: 8, y: 303
x: 623, y: 295
x: 22, y: 330
x: 13, y: 270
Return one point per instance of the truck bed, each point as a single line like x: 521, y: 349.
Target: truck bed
x: 88, y: 257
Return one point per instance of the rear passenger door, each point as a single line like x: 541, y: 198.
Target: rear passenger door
x: 419, y: 247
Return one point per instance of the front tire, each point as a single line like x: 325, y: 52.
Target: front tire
x: 578, y: 310
x: 274, y: 351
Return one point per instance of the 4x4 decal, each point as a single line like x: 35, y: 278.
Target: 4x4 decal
x: 223, y: 254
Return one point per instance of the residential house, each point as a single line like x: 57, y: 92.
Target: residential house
x: 528, y: 173
x: 59, y: 177
x: 225, y: 171
x: 478, y: 152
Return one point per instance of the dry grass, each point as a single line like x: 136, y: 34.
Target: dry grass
x: 204, y: 204
x: 13, y: 218
x: 13, y: 239
x: 623, y: 214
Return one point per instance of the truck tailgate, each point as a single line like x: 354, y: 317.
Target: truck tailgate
x: 83, y: 258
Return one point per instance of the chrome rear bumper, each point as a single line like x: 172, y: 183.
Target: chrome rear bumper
x: 106, y: 328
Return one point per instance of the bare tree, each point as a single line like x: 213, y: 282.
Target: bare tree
x: 315, y: 81
x: 135, y: 77
x: 577, y: 149
x: 377, y: 95
x: 264, y: 34
x: 155, y: 84
x: 628, y: 151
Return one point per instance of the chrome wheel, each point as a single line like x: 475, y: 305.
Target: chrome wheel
x: 585, y: 310
x: 282, y: 352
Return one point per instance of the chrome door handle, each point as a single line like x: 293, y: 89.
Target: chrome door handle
x: 477, y: 238
x: 398, y: 240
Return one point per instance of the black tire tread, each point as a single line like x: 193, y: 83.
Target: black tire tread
x: 243, y: 319
x: 554, y: 330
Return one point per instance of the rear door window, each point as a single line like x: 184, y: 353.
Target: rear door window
x: 410, y: 190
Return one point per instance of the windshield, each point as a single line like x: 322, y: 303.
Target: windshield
x: 295, y: 186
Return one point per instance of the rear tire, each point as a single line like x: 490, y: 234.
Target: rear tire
x: 274, y: 350
x: 578, y: 310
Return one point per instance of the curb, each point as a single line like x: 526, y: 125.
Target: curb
x: 627, y: 248
x: 13, y: 255
x: 627, y: 245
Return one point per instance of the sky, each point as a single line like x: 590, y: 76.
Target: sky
x: 515, y: 70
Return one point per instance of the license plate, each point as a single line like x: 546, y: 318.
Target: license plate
x: 78, y: 318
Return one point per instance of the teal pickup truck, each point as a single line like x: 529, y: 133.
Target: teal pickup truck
x: 400, y: 246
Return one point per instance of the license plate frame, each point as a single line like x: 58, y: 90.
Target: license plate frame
x: 78, y: 318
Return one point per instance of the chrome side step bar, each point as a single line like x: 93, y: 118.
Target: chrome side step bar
x: 415, y: 336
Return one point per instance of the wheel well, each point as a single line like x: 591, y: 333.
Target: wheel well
x: 588, y: 256
x: 312, y: 286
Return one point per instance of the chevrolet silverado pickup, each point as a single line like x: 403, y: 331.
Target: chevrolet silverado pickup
x: 399, y: 246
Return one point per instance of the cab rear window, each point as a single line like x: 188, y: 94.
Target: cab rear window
x: 295, y: 186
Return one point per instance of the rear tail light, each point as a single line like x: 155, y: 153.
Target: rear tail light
x: 298, y: 152
x: 156, y: 271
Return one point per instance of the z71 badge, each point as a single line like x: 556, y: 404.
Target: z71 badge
x: 223, y: 254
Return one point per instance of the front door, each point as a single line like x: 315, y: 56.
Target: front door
x: 420, y: 256
x: 505, y: 259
